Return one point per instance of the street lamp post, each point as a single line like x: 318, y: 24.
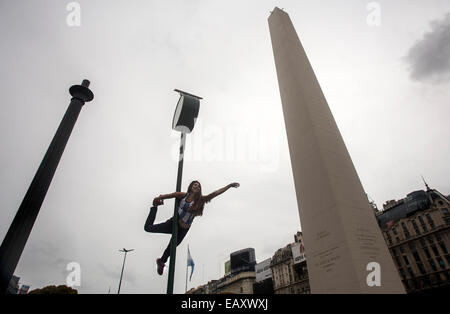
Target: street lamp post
x: 184, y: 119
x: 123, y: 266
x: 22, y: 224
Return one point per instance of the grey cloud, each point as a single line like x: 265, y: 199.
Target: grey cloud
x: 429, y: 57
x: 115, y: 274
x: 49, y: 253
x: 46, y: 248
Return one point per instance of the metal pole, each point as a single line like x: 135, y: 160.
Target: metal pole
x: 123, y: 266
x: 20, y: 229
x: 173, y: 245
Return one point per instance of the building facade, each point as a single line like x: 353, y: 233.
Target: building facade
x: 239, y: 276
x: 289, y: 272
x: 417, y: 232
x: 263, y: 270
x: 264, y: 282
x: 197, y: 290
x: 240, y: 283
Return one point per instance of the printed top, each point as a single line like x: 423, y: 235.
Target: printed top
x: 183, y: 213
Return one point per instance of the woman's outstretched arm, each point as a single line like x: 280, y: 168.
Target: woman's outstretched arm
x: 171, y: 195
x: 220, y: 191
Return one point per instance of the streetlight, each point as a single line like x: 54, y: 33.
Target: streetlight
x: 184, y: 119
x: 123, y: 266
x: 20, y: 229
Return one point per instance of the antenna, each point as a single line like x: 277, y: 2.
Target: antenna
x: 428, y: 188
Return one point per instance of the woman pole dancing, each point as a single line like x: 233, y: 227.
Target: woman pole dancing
x: 191, y: 205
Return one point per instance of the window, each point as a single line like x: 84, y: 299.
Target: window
x: 421, y: 268
x: 433, y: 264
x: 430, y: 221
x: 402, y: 273
x: 405, y: 258
x: 427, y: 253
x: 435, y: 251
x: 430, y: 239
x: 399, y: 262
x: 401, y: 249
x: 417, y: 257
x: 411, y: 273
x: 421, y: 220
x: 422, y: 223
x: 443, y: 247
x: 388, y: 236
x: 445, y: 211
x: 412, y: 246
x: 415, y: 227
x: 405, y: 230
x: 422, y: 242
x: 441, y: 262
x: 394, y: 251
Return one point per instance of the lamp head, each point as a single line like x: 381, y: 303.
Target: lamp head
x: 186, y: 112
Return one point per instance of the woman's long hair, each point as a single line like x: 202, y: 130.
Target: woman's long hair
x: 199, y: 200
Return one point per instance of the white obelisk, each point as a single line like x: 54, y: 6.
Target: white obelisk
x: 344, y: 247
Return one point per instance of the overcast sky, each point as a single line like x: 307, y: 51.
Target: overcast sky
x: 386, y: 77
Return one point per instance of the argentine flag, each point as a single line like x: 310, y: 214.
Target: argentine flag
x: 190, y: 262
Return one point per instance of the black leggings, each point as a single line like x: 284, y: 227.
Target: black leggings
x: 165, y: 227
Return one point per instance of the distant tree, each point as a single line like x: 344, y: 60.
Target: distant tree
x: 61, y: 289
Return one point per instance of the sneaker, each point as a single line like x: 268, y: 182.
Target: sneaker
x: 161, y: 266
x: 157, y: 202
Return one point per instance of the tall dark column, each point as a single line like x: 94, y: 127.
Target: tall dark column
x: 20, y: 229
x: 173, y: 243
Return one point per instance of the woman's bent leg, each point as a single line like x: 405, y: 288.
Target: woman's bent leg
x: 150, y: 219
x: 165, y: 227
